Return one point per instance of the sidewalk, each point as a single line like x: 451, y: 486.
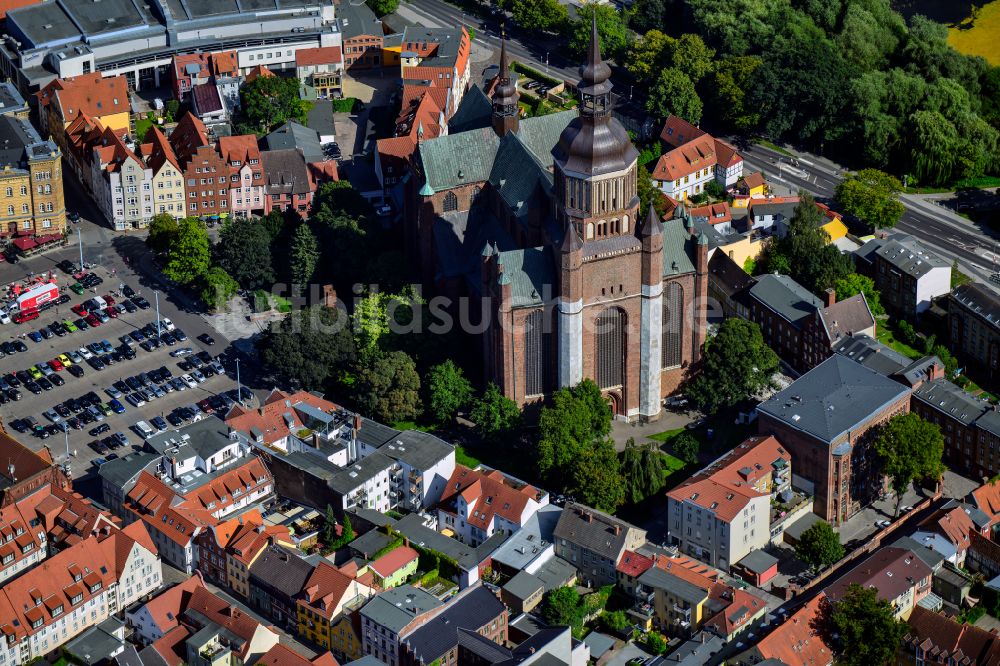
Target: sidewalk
x: 621, y: 431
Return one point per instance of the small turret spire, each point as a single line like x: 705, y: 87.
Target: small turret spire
x: 651, y: 226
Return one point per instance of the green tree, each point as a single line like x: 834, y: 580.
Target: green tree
x: 910, y: 449
x: 383, y: 7
x: 303, y: 255
x: 596, y: 478
x: 309, y: 347
x: 648, y: 55
x: 819, y: 546
x: 496, y: 416
x: 641, y: 470
x: 163, y: 230
x: 686, y: 447
x: 188, y: 257
x: 655, y: 642
x: 691, y: 55
x: 866, y: 629
x: 346, y: 535
x: 448, y: 390
x: 648, y: 193
x: 269, y: 101
x: 374, y: 316
x: 728, y: 90
x: 217, y: 288
x: 562, y: 606
x: 244, y: 251
x: 577, y: 416
x: 854, y: 284
x: 736, y: 365
x: 812, y: 261
x: 329, y: 532
x: 611, y: 30
x: 673, y: 92
x: 647, y: 15
x: 545, y: 15
x: 614, y: 621
x: 388, y: 386
x: 871, y: 196
x: 171, y: 110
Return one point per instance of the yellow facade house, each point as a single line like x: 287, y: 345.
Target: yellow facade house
x: 105, y: 99
x: 168, y: 177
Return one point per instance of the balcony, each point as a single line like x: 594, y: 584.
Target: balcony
x: 416, y: 477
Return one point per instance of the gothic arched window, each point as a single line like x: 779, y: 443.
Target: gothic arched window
x: 610, y: 347
x: 536, y: 358
x: 450, y: 202
x: 673, y: 325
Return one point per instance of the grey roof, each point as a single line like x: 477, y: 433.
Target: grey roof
x: 990, y: 422
x: 519, y: 177
x: 598, y: 643
x: 282, y: 569
x: 785, y: 297
x: 128, y: 657
x: 459, y: 239
x: 123, y: 472
x: 758, y: 561
x: 293, y: 135
x: 203, y: 438
x: 976, y: 515
x: 836, y: 396
x: 396, y: 608
x: 371, y: 516
x: 910, y: 256
x: 411, y: 526
x: 980, y: 299
x: 528, y: 542
x: 593, y: 530
x: 418, y: 449
x: 366, y: 660
x: 952, y: 401
x: 697, y: 651
x: 20, y: 143
x: 677, y: 248
x: 847, y: 317
x: 556, y: 572
x: 523, y: 585
x: 97, y: 643
x: 866, y: 253
x: 784, y: 209
x: 472, y: 609
x: 929, y: 556
x: 447, y: 39
x: 953, y: 576
x: 485, y: 649
x: 10, y: 98
x: 532, y: 274
x: 678, y: 587
x: 796, y: 529
x: 528, y: 624
x: 370, y: 543
x: 285, y: 172
x: 356, y: 18
x: 475, y: 111
x: 355, y: 475
x: 729, y: 275
x: 872, y: 354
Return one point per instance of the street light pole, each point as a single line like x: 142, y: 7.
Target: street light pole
x: 66, y: 433
x: 79, y: 240
x: 239, y: 387
x: 156, y: 297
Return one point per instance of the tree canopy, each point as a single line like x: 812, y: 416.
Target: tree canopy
x: 872, y: 196
x: 188, y: 256
x: 641, y: 470
x: 576, y: 417
x: 163, y: 229
x: 448, y: 390
x: 866, y: 629
x: 819, y: 546
x: 736, y: 365
x: 805, y: 253
x: 267, y: 102
x: 495, y: 415
x: 244, y: 252
x: 854, y: 284
x: 383, y: 7
x: 308, y: 348
x: 388, y: 387
x: 611, y: 29
x: 303, y: 255
x: 544, y: 15
x: 909, y: 449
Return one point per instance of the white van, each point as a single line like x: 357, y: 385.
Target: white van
x: 144, y: 430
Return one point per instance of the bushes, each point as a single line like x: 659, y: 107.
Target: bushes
x: 344, y: 105
x: 534, y: 74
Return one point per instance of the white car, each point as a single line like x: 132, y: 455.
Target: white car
x: 882, y: 524
x: 167, y: 324
x: 86, y: 353
x: 905, y: 508
x: 200, y: 378
x: 188, y: 381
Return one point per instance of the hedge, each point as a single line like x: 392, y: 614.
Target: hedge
x: 535, y: 74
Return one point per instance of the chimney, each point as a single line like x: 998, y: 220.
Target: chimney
x: 618, y: 530
x: 589, y: 517
x: 829, y: 297
x: 329, y: 296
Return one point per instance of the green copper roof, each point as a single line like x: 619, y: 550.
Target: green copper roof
x: 676, y: 260
x: 518, y: 175
x: 529, y: 271
x: 426, y: 190
x: 474, y: 112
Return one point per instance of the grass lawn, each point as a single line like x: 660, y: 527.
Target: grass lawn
x: 463, y: 458
x: 671, y: 464
x: 958, y: 278
x: 978, y: 36
x: 775, y: 147
x: 886, y: 337
x: 667, y: 435
x: 142, y: 125
x: 264, y: 301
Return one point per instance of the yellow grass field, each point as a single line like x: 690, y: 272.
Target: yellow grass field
x: 983, y: 39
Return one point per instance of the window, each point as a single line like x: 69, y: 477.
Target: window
x: 450, y: 202
x: 536, y: 358
x: 673, y: 320
x: 610, y: 345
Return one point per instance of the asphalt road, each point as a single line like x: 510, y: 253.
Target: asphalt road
x: 970, y: 244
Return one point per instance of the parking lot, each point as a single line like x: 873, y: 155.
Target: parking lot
x: 159, y: 402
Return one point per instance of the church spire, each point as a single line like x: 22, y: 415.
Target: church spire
x: 505, y: 97
x: 651, y: 226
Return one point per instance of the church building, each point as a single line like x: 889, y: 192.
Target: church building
x: 537, y: 221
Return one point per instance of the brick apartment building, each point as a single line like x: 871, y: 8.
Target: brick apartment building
x: 826, y: 419
x: 974, y: 327
x: 906, y: 273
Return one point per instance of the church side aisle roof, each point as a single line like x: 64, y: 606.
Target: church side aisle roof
x: 675, y: 248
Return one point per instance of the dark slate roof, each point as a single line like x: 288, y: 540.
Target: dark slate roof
x: 282, y: 569
x: 475, y: 111
x: 411, y: 526
x: 871, y: 353
x: 697, y: 651
x: 930, y: 557
x: 123, y: 472
x: 531, y: 271
x: 347, y: 479
x: 519, y: 177
x: 557, y: 572
x: 596, y: 534
x: 356, y: 18
x: 784, y: 296
x: 947, y: 398
x: 847, y: 317
x: 285, y: 172
x: 836, y: 396
x: 758, y: 561
x: 370, y: 543
x: 396, y: 608
x: 523, y: 585
x: 598, y: 643
x: 990, y: 422
x: 729, y: 275
x: 678, y: 246
x: 680, y: 588
x: 910, y: 256
x: 980, y: 299
x: 482, y: 647
x: 459, y: 239
x: 293, y: 135
x: 418, y: 449
x: 866, y: 253
x: 471, y: 610
x: 203, y: 438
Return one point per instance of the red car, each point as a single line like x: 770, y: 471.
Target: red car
x: 93, y: 321
x: 79, y: 309
x: 205, y: 406
x: 111, y: 311
x: 109, y: 300
x: 25, y: 316
x: 56, y: 364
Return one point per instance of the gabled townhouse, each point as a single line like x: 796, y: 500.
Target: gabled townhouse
x: 832, y: 323
x: 75, y: 589
x: 362, y: 35
x: 473, y: 612
x: 280, y: 655
x: 798, y: 641
x: 693, y: 159
x: 477, y: 503
x: 947, y: 530
x: 437, y: 57
x: 723, y: 513
x: 327, y: 593
x: 206, y: 173
x: 104, y: 99
x: 23, y: 546
x: 907, y: 275
x: 986, y: 498
x: 281, y: 417
x: 246, y: 174
x: 247, y: 544
x: 152, y: 620
x: 288, y: 184
x: 974, y: 327
x: 168, y: 179
x: 827, y: 420
x: 321, y: 68
x: 220, y: 68
x: 394, y: 568
x: 422, y: 116
x: 717, y: 214
x: 771, y: 215
x: 121, y: 182
x: 386, y: 618
x: 900, y: 577
x: 594, y: 542
x: 277, y: 577
x: 935, y: 638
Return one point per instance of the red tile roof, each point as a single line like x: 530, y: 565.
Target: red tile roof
x: 948, y: 642
x: 740, y: 608
x: 280, y: 655
x: 677, y: 131
x: 497, y: 494
x: 891, y: 571
x: 987, y: 499
x: 717, y: 213
x: 633, y: 564
x: 320, y: 55
x: 189, y: 135
x: 796, y: 641
x: 92, y: 94
x: 394, y: 560
x: 224, y: 614
x: 686, y: 159
x: 171, y: 646
x: 326, y: 588
x: 26, y: 463
x: 217, y: 494
x: 753, y: 180
x: 160, y: 151
x: 166, y: 607
x: 954, y: 524
x: 240, y: 148
x: 726, y: 155
x: 269, y: 418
